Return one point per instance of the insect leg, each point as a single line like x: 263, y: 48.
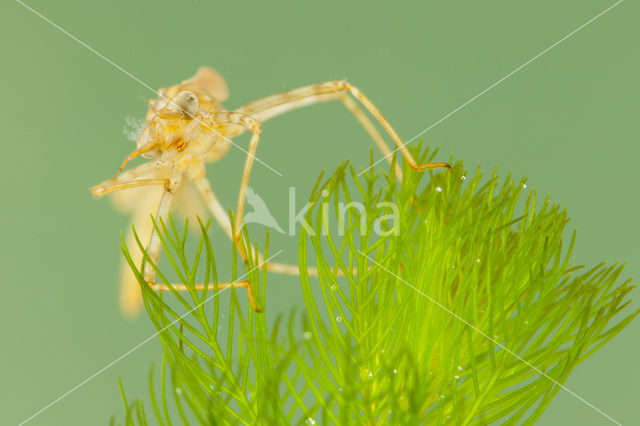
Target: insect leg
x: 255, y: 128
x: 153, y: 248
x: 126, y: 180
x: 142, y: 150
x: 334, y: 87
x: 153, y: 251
x: 264, y: 113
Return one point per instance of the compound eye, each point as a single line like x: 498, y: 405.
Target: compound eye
x: 185, y: 101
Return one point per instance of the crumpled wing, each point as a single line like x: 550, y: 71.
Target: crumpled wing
x: 211, y: 82
x: 188, y: 205
x: 130, y: 296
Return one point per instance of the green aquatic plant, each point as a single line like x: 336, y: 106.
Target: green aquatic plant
x: 463, y: 307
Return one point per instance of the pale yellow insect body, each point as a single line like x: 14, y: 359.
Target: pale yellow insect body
x: 186, y: 127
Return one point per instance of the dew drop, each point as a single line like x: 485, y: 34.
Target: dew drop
x: 524, y: 185
x: 339, y: 318
x: 369, y: 374
x: 459, y: 368
x: 310, y: 421
x: 441, y: 396
x: 307, y: 335
x: 333, y: 287
x: 395, y: 371
x: 456, y: 377
x: 463, y: 177
x: 478, y: 260
x: 438, y: 189
x: 178, y: 391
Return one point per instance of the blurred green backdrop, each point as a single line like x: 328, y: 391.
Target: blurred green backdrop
x: 568, y: 121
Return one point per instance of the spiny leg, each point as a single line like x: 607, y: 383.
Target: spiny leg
x: 131, y: 184
x: 255, y: 128
x: 138, y: 152
x: 127, y: 179
x: 342, y: 86
x: 153, y: 247
x: 253, y: 125
x: 248, y: 164
x: 265, y: 113
x: 368, y: 126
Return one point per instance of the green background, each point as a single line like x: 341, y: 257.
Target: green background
x: 568, y: 121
